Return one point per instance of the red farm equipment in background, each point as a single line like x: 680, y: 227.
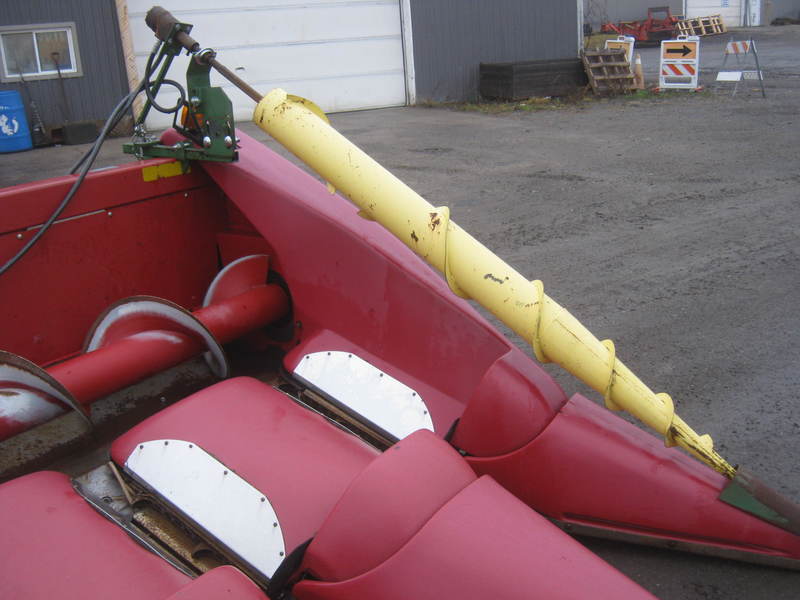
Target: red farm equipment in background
x: 659, y: 25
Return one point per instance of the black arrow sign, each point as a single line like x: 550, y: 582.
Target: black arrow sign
x: 682, y: 51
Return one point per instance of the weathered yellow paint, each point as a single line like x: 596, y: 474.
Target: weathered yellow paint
x: 155, y: 172
x: 473, y: 271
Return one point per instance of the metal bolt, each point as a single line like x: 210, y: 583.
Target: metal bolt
x: 166, y: 443
x: 206, y: 142
x: 163, y: 399
x: 185, y: 194
x: 281, y: 553
x: 19, y: 236
x: 263, y: 499
x: 109, y: 213
x: 225, y: 473
x: 275, y: 524
x: 107, y: 499
x: 141, y: 446
x: 194, y: 101
x: 191, y: 445
x: 228, y: 141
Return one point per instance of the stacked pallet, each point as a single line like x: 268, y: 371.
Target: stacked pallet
x: 526, y: 79
x: 609, y: 71
x: 701, y: 26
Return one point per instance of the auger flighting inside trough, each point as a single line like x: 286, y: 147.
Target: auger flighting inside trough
x: 138, y: 337
x: 473, y: 271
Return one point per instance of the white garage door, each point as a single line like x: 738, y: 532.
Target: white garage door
x: 729, y: 10
x: 343, y: 55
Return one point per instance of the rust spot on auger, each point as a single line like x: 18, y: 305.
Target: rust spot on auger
x: 435, y: 221
x: 493, y: 278
x: 414, y: 237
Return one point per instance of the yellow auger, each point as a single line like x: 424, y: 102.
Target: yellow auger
x: 473, y: 271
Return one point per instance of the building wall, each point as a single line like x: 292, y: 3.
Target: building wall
x: 597, y: 12
x: 452, y: 37
x: 93, y: 95
x: 783, y: 8
x: 731, y: 13
x: 342, y: 55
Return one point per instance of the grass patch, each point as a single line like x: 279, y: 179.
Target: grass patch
x: 582, y: 100
x: 597, y: 41
x: 499, y: 107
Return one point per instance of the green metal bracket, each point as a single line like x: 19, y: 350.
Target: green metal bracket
x: 206, y: 119
x: 210, y: 112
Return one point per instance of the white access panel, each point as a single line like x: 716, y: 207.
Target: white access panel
x: 729, y: 10
x: 343, y: 55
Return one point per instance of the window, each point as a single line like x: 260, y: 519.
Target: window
x: 39, y: 51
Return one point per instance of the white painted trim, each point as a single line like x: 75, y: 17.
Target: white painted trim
x: 408, y: 51
x: 580, y: 26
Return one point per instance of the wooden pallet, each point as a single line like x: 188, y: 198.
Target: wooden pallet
x: 526, y: 79
x: 701, y: 26
x: 608, y: 71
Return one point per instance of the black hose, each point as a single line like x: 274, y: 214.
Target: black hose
x: 148, y: 72
x: 181, y: 93
x: 116, y: 116
x: 87, y: 160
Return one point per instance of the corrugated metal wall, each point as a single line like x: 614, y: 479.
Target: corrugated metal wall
x: 598, y: 11
x: 94, y: 95
x: 784, y: 8
x: 452, y: 37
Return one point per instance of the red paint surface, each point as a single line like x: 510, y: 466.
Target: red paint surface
x: 512, y: 404
x: 355, y: 287
x: 159, y: 240
x: 222, y: 583
x: 386, y: 505
x: 230, y: 318
x: 293, y: 456
x: 54, y: 545
x: 593, y: 468
x: 479, y: 542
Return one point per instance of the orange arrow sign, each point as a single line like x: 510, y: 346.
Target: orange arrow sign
x: 680, y: 50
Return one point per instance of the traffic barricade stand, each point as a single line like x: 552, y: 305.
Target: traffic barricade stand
x: 741, y: 50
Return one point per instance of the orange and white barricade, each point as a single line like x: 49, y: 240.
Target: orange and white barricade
x: 741, y: 50
x: 680, y: 63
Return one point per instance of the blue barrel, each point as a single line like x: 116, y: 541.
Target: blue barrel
x: 15, y: 135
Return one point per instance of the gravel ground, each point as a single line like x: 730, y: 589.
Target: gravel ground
x: 669, y: 225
